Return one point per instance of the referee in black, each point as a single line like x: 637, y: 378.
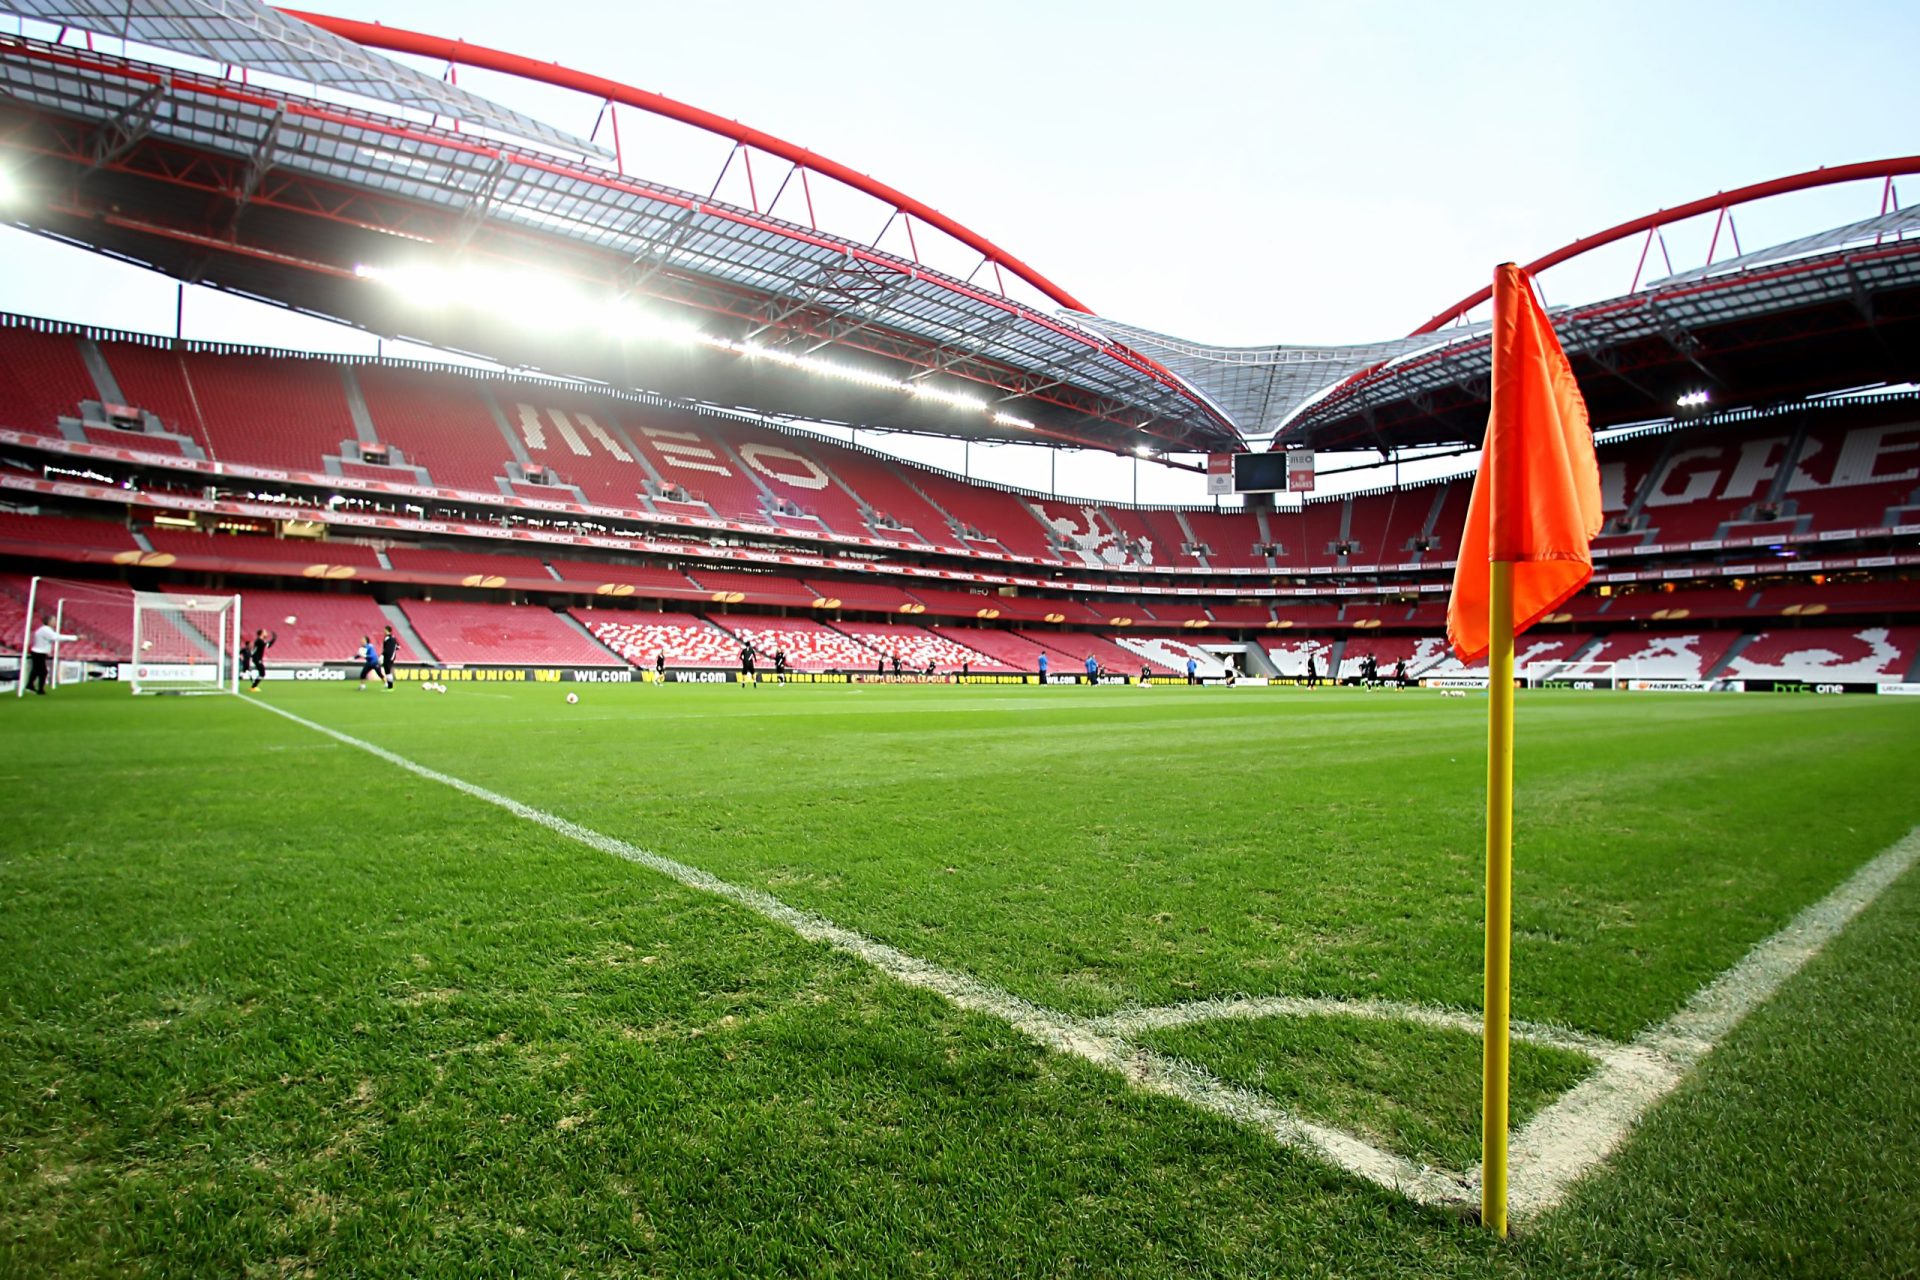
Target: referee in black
x: 388, y: 647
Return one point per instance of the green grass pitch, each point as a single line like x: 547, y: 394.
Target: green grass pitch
x: 274, y: 1006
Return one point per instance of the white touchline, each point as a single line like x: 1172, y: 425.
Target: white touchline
x: 1144, y: 1068
x: 1588, y: 1122
x: 1552, y: 1151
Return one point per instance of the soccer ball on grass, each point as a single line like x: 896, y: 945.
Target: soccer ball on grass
x: 572, y: 698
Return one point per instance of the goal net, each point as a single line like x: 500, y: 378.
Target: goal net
x: 156, y: 642
x: 184, y: 644
x: 90, y: 625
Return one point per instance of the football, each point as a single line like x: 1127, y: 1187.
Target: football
x: 572, y: 698
x: 290, y: 620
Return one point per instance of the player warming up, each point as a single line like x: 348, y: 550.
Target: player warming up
x: 40, y: 654
x: 254, y: 654
x: 369, y: 660
x: 388, y: 647
x: 747, y: 654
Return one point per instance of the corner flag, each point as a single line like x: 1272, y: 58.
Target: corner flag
x: 1536, y: 499
x: 1525, y: 550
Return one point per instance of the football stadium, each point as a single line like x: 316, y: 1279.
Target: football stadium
x: 562, y: 782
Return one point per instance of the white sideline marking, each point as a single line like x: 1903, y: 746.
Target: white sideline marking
x: 1143, y: 1068
x: 1589, y: 1121
x: 1549, y: 1154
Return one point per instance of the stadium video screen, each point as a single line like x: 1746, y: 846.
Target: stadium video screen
x: 1259, y: 473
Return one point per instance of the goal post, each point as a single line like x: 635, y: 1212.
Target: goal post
x: 185, y: 643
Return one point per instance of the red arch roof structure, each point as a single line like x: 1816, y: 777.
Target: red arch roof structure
x: 397, y: 40
x: 1897, y: 166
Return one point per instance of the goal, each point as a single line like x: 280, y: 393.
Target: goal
x: 184, y: 644
x: 155, y: 642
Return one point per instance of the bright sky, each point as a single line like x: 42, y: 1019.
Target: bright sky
x: 1234, y: 172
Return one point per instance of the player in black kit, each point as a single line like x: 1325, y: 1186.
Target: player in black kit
x: 388, y: 647
x: 254, y: 654
x: 747, y: 654
x: 780, y: 665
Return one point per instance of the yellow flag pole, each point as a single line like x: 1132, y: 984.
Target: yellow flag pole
x: 1493, y: 1075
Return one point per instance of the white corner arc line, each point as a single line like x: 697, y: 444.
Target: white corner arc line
x: 1143, y: 1068
x: 1135, y: 1022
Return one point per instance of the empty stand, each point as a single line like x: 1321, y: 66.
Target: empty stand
x: 155, y: 379
x: 1385, y: 650
x: 270, y: 411
x: 809, y: 645
x: 1164, y: 612
x: 42, y: 377
x: 582, y: 440
x: 65, y: 531
x: 1532, y: 653
x: 1171, y: 656
x: 645, y: 579
x: 1240, y: 615
x: 883, y: 490
x: 918, y: 647
x: 1229, y: 536
x: 1662, y: 655
x: 459, y: 632
x: 952, y: 602
x: 303, y: 553
x: 1070, y: 651
x: 1810, y: 600
x: 995, y: 513
x: 439, y: 422
x: 1385, y: 526
x: 1290, y: 656
x: 687, y: 641
x: 477, y: 568
x: 685, y: 453
x: 752, y: 588
x: 1875, y: 654
x: 1087, y: 533
x: 325, y: 627
x: 1013, y: 652
x: 805, y: 487
x: 1308, y: 533
x: 867, y: 597
x: 1672, y: 606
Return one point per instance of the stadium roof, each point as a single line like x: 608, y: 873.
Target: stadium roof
x: 241, y: 33
x: 1833, y: 311
x: 320, y: 206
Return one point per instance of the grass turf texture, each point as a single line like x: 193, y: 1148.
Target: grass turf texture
x: 279, y: 1004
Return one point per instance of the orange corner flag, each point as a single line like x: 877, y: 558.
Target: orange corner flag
x: 1536, y: 499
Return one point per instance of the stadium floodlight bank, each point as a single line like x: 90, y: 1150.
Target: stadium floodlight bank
x: 185, y: 644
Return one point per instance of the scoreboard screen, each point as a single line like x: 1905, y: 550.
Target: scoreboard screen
x: 1259, y: 473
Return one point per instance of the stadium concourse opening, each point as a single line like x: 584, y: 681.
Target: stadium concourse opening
x: 1008, y: 881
